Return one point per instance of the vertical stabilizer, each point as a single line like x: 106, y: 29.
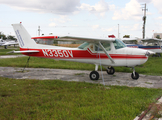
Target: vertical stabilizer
x: 23, y: 37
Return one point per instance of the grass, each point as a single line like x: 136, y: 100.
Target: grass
x: 60, y: 100
x: 44, y: 63
x: 9, y: 49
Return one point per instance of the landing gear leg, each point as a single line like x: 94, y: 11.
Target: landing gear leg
x: 134, y: 75
x: 110, y: 70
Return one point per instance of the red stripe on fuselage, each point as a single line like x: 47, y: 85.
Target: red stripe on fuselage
x: 77, y: 54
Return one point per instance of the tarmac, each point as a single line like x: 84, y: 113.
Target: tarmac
x: 119, y: 78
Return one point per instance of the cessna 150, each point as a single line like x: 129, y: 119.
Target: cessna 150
x: 97, y: 51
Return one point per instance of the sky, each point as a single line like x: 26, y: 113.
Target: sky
x: 91, y: 18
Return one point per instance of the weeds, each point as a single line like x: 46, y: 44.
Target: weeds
x: 55, y: 99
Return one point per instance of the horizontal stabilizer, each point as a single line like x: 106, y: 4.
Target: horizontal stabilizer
x: 25, y: 51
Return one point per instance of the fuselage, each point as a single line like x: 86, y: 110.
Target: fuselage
x: 129, y: 57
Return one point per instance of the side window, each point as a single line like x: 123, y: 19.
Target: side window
x: 98, y: 48
x: 106, y: 45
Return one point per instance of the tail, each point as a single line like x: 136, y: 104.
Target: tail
x: 23, y: 37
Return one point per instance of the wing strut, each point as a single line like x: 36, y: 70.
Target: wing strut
x: 106, y: 52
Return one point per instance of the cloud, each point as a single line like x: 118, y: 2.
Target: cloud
x: 157, y: 4
x: 144, y: 1
x: 61, y: 19
x: 95, y: 27
x: 100, y: 8
x: 52, y: 24
x: 111, y: 29
x: 131, y: 11
x: 55, y: 6
x: 159, y: 18
x: 136, y: 27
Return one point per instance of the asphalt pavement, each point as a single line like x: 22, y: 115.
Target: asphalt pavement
x: 119, y: 78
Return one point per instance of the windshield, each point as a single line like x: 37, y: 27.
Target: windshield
x: 118, y: 44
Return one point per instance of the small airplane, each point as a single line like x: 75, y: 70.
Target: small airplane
x: 7, y: 43
x: 97, y: 51
x: 152, y: 44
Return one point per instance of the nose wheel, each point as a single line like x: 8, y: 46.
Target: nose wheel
x: 110, y: 70
x: 134, y: 75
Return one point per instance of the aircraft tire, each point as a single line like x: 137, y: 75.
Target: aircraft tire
x: 94, y: 75
x: 5, y: 46
x: 135, y: 77
x: 110, y: 71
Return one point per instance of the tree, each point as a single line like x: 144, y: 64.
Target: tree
x: 126, y: 36
x: 10, y: 37
x: 158, y: 37
x: 3, y: 36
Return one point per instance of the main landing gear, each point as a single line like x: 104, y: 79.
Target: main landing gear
x: 94, y: 75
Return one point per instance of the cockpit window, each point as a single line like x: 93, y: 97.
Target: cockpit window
x: 106, y: 45
x: 118, y: 44
x: 84, y: 45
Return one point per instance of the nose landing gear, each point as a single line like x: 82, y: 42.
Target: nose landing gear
x: 134, y: 75
x: 110, y: 70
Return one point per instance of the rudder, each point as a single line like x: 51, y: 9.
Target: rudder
x: 23, y: 37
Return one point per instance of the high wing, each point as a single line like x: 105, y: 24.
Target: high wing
x: 151, y: 40
x: 87, y: 39
x: 74, y: 38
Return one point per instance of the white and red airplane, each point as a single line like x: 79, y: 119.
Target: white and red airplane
x: 97, y: 51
